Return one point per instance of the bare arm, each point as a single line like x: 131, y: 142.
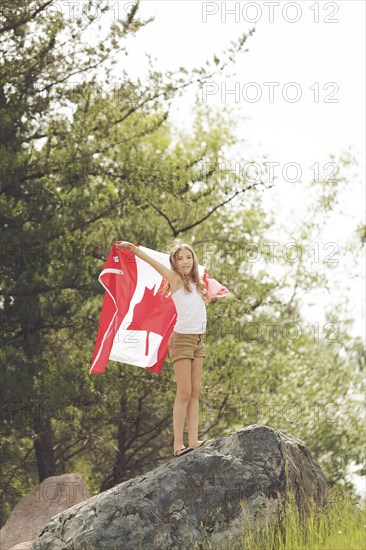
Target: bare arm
x: 164, y: 271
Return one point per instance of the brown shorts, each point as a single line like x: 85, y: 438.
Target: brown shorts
x: 186, y: 346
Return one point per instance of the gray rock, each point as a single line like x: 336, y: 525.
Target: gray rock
x: 30, y: 515
x: 195, y: 498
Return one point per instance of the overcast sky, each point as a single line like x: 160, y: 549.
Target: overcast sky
x: 307, y: 53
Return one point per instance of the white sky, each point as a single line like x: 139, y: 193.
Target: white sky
x: 303, y: 52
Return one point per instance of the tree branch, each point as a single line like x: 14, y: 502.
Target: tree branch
x: 26, y: 19
x: 204, y: 218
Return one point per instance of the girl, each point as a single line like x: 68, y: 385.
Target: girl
x: 186, y: 346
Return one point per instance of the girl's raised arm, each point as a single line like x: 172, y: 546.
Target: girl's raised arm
x: 164, y: 271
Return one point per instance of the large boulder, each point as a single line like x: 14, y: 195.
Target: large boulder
x: 33, y: 511
x: 195, y: 498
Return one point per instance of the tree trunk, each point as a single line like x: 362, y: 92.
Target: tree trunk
x: 43, y: 446
x: 32, y: 345
x: 117, y: 475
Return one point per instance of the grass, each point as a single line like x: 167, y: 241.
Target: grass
x: 339, y: 525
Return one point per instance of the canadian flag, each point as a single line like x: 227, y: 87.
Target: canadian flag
x: 136, y: 320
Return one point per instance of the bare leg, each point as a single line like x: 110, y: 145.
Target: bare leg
x: 182, y: 369
x: 193, y: 405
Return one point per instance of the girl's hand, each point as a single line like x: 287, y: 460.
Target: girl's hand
x: 124, y: 245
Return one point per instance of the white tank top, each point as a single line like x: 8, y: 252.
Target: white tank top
x: 191, y: 311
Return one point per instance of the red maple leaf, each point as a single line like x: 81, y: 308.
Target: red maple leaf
x: 148, y: 314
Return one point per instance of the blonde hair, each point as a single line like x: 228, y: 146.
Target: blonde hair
x: 193, y: 276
